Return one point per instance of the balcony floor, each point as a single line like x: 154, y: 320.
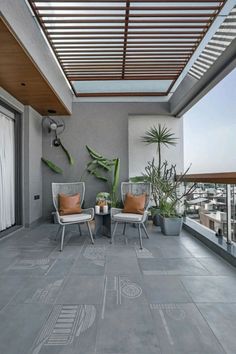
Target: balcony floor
x: 174, y: 297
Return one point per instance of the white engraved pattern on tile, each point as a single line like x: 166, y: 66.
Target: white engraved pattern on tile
x: 96, y: 254
x: 45, y: 295
x: 64, y: 324
x: 130, y: 289
x: 25, y: 264
x: 144, y: 253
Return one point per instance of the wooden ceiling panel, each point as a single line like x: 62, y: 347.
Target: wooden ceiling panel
x: 22, y: 79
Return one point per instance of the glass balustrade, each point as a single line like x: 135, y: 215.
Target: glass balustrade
x: 214, y: 206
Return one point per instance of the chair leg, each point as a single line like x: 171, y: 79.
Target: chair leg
x: 90, y: 232
x: 124, y: 228
x: 58, y: 231
x: 140, y: 236
x: 113, y: 233
x: 145, y: 230
x: 80, y: 232
x: 62, y: 237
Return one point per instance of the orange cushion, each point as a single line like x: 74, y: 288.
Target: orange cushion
x: 69, y: 204
x: 134, y: 203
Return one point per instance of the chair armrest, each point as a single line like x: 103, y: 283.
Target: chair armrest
x: 145, y: 215
x: 115, y: 211
x: 88, y: 211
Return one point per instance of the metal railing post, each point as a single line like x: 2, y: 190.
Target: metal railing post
x: 228, y: 208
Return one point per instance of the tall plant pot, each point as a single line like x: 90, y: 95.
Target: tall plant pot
x: 171, y: 226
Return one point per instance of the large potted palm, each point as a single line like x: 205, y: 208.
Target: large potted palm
x: 161, y: 136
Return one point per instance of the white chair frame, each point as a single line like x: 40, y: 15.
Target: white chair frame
x: 136, y: 189
x: 70, y: 189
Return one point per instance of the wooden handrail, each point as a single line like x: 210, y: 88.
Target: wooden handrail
x: 221, y: 177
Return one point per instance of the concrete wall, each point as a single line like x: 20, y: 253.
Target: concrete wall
x: 33, y: 166
x: 30, y: 159
x: 20, y: 18
x: 140, y: 153
x: 104, y: 127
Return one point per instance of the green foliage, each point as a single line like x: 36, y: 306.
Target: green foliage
x: 159, y: 135
x: 100, y: 165
x: 69, y: 156
x: 52, y: 166
x: 115, y: 182
x: 173, y: 191
x: 137, y: 179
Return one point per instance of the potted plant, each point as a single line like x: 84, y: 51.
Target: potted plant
x: 161, y: 136
x: 173, y: 193
x: 106, y: 170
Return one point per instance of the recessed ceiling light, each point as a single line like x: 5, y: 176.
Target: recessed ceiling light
x: 23, y: 84
x: 52, y: 111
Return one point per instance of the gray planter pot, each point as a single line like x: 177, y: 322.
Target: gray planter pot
x: 171, y: 226
x: 156, y: 220
x: 155, y: 212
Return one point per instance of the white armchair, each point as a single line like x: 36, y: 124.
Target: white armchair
x: 84, y: 217
x: 118, y: 216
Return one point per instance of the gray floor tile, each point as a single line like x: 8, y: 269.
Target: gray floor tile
x: 211, y: 288
x: 221, y: 319
x: 121, y: 265
x: 30, y: 266
x: 102, y: 298
x: 9, y: 287
x: 89, y: 267
x: 121, y: 251
x: 60, y: 267
x: 152, y: 266
x: 127, y: 329
x: 165, y: 289
x: 69, y: 252
x: 182, y: 330
x: 149, y: 252
x: 6, y: 262
x: 70, y: 329
x: 197, y: 249
x: 217, y: 266
x: 123, y: 289
x: 82, y: 289
x: 172, y: 266
x: 184, y: 266
x: 40, y: 290
x: 19, y: 326
x: 91, y: 261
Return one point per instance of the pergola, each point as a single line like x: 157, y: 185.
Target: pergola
x: 125, y: 47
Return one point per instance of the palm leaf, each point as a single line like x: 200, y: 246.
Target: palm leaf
x: 69, y: 156
x: 52, y: 166
x: 104, y: 165
x: 98, y: 176
x: 159, y: 135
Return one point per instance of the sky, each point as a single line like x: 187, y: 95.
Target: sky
x: 210, y: 130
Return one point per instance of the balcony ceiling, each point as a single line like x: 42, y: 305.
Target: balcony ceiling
x: 20, y: 76
x: 122, y: 47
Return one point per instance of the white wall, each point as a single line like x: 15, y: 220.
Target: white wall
x: 140, y: 153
